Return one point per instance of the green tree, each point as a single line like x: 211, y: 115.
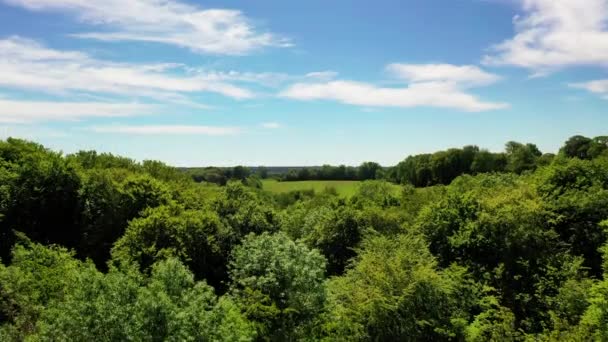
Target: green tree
x: 198, y: 238
x: 394, y: 293
x: 521, y: 157
x: 104, y: 217
x: 369, y: 170
x: 37, y: 277
x: 140, y: 192
x: 576, y: 193
x: 240, y: 172
x: 279, y: 284
x: 40, y: 196
x: 504, y: 238
x: 577, y: 147
x: 169, y: 306
x: 243, y: 211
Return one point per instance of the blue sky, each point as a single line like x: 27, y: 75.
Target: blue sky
x: 278, y: 82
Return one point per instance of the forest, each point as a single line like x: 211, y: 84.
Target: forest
x: 474, y: 246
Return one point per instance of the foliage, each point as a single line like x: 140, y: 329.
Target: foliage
x: 36, y: 277
x: 48, y: 295
x: 585, y: 148
x: 198, y: 238
x: 279, y: 284
x: 393, y: 293
x: 458, y: 245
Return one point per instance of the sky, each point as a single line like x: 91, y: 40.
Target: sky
x: 279, y: 83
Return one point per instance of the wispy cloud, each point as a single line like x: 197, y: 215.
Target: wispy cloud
x: 322, y: 75
x: 463, y: 75
x: 429, y: 85
x: 271, y: 125
x: 599, y: 87
x: 266, y: 79
x: 27, y: 64
x: 14, y: 111
x: 552, y: 34
x: 208, y: 31
x: 168, y: 130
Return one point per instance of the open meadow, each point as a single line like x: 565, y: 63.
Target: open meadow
x: 343, y: 188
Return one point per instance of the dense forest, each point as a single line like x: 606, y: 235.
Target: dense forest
x: 476, y: 246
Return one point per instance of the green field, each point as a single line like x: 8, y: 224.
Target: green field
x: 344, y: 188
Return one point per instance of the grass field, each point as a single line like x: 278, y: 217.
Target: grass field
x: 344, y: 188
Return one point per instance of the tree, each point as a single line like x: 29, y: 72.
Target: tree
x: 140, y: 192
x: 334, y: 232
x: 577, y: 147
x: 369, y: 170
x: 104, y: 217
x: 378, y: 192
x: 576, y: 193
x: 169, y: 306
x: 521, y: 157
x: 240, y: 172
x: 41, y: 195
x: 503, y: 236
x: 243, y: 211
x: 262, y: 171
x: 46, y: 294
x: 393, y: 293
x: 37, y: 277
x: 599, y: 147
x: 486, y: 161
x: 198, y: 238
x: 162, y: 171
x: 279, y: 284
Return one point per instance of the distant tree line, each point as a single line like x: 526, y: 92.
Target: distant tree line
x: 419, y: 170
x: 366, y: 171
x: 221, y: 175
x: 444, y: 166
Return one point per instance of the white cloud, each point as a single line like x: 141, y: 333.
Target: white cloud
x: 429, y: 85
x: 15, y: 111
x: 599, y: 87
x: 17, y: 48
x: 271, y: 125
x: 27, y: 64
x: 268, y: 79
x: 168, y: 130
x: 552, y: 34
x: 322, y: 75
x: 209, y: 31
x: 457, y: 74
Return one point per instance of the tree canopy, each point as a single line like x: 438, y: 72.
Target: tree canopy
x: 457, y: 245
